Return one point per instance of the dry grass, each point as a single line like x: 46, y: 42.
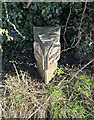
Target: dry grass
x: 22, y: 96
x: 25, y: 97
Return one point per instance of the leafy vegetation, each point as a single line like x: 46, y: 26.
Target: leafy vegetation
x: 71, y: 101
x: 46, y: 14
x: 24, y: 93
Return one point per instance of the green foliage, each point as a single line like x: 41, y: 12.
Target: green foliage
x: 44, y: 14
x: 83, y: 85
x: 60, y: 71
x: 72, y: 101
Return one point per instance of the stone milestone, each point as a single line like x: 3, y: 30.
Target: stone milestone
x: 47, y: 50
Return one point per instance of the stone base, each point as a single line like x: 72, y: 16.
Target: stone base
x: 47, y: 75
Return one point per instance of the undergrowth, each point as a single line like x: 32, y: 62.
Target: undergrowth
x: 23, y: 95
x: 74, y: 100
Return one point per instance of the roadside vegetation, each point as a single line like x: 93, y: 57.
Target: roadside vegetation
x: 70, y: 94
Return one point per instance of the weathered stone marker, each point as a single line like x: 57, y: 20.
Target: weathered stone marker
x: 47, y: 50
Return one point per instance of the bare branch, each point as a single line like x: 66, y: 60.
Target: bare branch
x: 65, y: 50
x: 28, y: 4
x: 87, y: 35
x: 66, y: 25
x: 90, y: 8
x: 46, y: 100
x: 79, y: 72
x: 79, y: 29
x: 12, y: 23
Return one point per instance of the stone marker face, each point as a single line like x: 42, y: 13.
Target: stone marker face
x: 53, y: 54
x: 47, y: 50
x: 39, y: 54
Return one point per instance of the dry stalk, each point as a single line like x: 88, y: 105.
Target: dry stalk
x: 22, y: 95
x: 16, y: 72
x: 11, y: 22
x: 46, y: 101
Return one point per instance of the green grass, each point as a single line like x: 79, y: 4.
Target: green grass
x: 23, y: 95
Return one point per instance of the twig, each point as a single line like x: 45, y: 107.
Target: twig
x: 3, y: 86
x: 81, y: 94
x: 87, y: 35
x: 79, y: 72
x: 65, y: 50
x: 1, y: 111
x: 79, y: 29
x: 46, y: 100
x: 12, y: 23
x: 75, y: 76
x: 88, y: 98
x: 29, y: 2
x: 16, y: 72
x: 79, y: 32
x: 40, y: 107
x: 67, y: 24
x: 61, y: 82
x: 90, y: 8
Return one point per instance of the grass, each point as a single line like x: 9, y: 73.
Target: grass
x: 23, y: 95
x: 74, y: 100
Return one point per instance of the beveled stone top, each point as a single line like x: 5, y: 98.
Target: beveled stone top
x: 47, y: 35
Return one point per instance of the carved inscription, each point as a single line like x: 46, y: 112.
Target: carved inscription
x: 53, y: 54
x: 38, y: 54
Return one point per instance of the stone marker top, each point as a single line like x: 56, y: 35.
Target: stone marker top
x: 47, y: 35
